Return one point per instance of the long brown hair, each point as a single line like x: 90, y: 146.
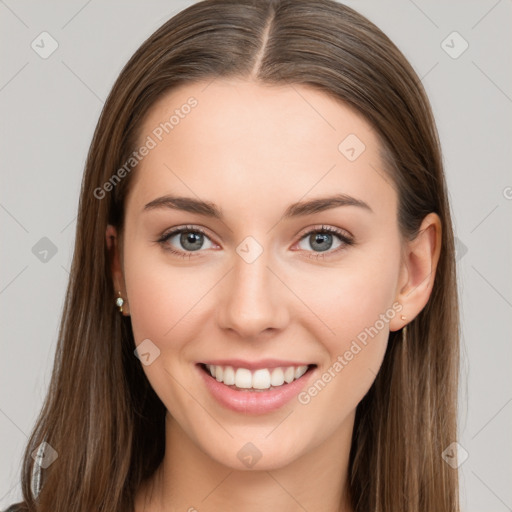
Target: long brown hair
x: 102, y: 416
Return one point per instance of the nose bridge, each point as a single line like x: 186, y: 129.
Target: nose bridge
x: 253, y: 300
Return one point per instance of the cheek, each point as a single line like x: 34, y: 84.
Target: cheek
x: 162, y: 297
x: 360, y: 321
x: 351, y: 298
x: 357, y: 306
x: 362, y: 302
x: 164, y: 301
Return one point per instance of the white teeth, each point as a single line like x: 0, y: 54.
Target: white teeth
x: 263, y: 378
x: 300, y: 371
x: 277, y: 378
x: 229, y: 376
x: 289, y: 374
x: 243, y: 378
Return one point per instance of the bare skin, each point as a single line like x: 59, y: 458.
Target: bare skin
x: 253, y: 150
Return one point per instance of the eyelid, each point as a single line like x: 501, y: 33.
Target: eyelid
x: 323, y: 227
x: 345, y: 237
x: 184, y: 227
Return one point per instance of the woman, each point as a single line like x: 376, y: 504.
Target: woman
x: 262, y: 309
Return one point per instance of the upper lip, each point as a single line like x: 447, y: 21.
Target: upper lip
x: 254, y: 365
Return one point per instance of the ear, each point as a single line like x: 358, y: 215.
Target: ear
x: 418, y: 270
x: 113, y: 245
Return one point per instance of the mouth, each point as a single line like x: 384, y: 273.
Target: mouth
x: 261, y: 379
x: 258, y: 390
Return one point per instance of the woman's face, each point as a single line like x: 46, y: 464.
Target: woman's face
x: 259, y: 286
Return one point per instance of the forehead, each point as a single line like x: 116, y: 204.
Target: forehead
x: 258, y: 143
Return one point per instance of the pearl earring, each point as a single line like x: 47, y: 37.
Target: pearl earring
x: 120, y: 302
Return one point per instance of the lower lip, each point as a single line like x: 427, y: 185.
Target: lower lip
x: 254, y: 402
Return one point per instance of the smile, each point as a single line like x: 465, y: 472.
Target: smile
x: 263, y: 378
x: 258, y: 390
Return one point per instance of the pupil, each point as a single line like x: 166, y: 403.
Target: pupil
x: 323, y: 237
x: 191, y: 238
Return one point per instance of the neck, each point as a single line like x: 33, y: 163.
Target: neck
x: 189, y: 480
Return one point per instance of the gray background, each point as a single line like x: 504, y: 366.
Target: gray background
x: 49, y: 108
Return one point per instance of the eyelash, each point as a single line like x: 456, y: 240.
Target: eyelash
x: 344, y: 238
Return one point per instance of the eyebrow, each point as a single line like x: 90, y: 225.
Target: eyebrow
x: 209, y: 209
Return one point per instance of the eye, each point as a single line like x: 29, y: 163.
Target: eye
x: 190, y: 238
x: 321, y: 240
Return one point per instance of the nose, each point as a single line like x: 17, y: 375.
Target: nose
x: 253, y: 298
